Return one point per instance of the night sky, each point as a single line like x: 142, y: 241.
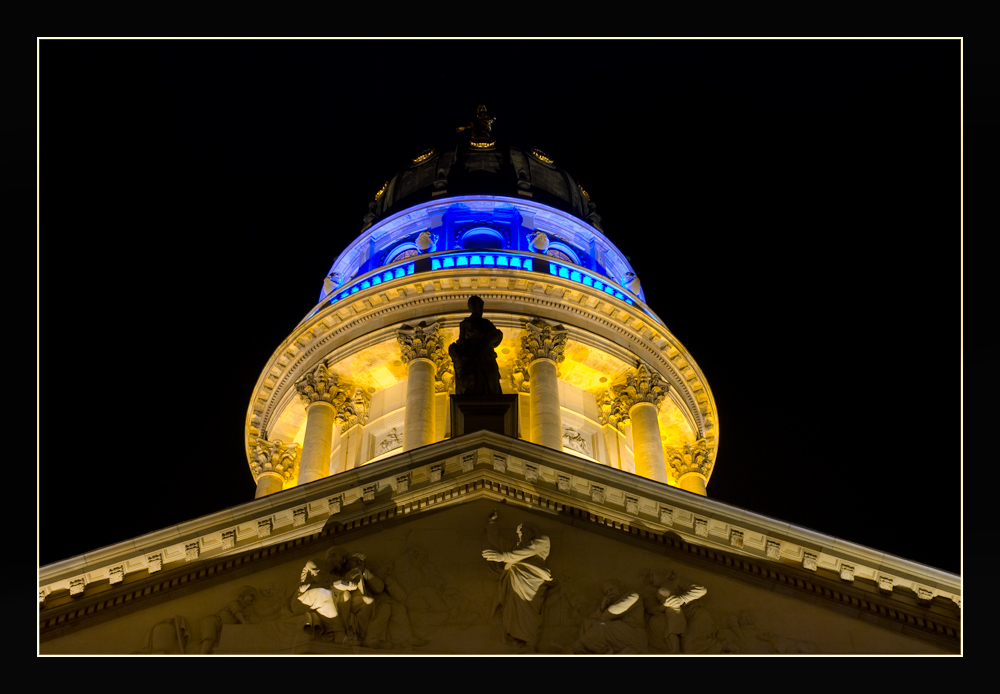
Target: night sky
x: 791, y: 207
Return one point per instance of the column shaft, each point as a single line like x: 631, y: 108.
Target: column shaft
x: 646, y: 445
x: 318, y: 442
x: 268, y: 483
x: 418, y: 419
x: 546, y: 418
x: 693, y: 482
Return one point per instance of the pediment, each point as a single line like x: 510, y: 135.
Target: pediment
x: 420, y: 519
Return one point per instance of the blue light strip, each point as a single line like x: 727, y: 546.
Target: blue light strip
x: 587, y: 279
x: 466, y: 259
x: 463, y: 259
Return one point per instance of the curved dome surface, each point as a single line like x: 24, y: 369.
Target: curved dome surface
x: 466, y: 168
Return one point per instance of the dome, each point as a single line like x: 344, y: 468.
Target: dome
x: 493, y: 168
x: 594, y: 372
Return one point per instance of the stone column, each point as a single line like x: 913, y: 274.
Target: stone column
x: 640, y: 397
x: 421, y: 348
x: 322, y: 398
x: 542, y: 348
x: 273, y: 463
x: 691, y: 465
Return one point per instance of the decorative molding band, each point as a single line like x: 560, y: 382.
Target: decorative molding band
x: 879, y: 608
x: 650, y: 342
x: 621, y: 499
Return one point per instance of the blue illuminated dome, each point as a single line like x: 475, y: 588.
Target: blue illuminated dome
x: 497, y: 207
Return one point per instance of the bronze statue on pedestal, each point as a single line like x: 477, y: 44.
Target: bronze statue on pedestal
x: 476, y: 370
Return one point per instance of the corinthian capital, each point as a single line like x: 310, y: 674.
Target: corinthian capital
x: 613, y: 412
x: 354, y: 410
x: 320, y: 384
x: 444, y: 376
x: 520, y: 379
x: 421, y: 342
x: 689, y: 457
x: 274, y: 456
x: 643, y: 385
x: 543, y: 340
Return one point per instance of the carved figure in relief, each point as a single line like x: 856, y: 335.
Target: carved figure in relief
x: 327, y: 604
x: 167, y: 637
x: 476, y: 369
x: 667, y: 620
x: 430, y: 603
x: 378, y: 617
x: 524, y: 580
x: 617, y: 626
x: 235, y: 612
x: 391, y: 442
x: 575, y: 440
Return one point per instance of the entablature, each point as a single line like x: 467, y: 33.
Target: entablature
x: 501, y: 468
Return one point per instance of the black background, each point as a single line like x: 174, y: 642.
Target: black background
x: 793, y: 209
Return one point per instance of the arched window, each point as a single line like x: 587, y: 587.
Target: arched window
x: 403, y: 250
x: 481, y: 238
x: 560, y: 250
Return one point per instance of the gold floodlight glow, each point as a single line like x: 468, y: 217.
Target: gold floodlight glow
x: 539, y: 154
x: 423, y: 156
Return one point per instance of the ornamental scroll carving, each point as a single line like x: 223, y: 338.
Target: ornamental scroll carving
x: 350, y: 403
x: 641, y: 385
x: 520, y: 381
x: 320, y: 384
x: 690, y: 457
x: 274, y: 456
x: 542, y: 340
x: 354, y: 410
x: 424, y: 342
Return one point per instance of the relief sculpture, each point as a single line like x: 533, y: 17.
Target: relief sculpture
x: 524, y: 580
x: 617, y: 626
x: 351, y: 604
x: 235, y: 612
x: 342, y: 601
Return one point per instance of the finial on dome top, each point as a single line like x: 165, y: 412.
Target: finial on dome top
x: 480, y: 127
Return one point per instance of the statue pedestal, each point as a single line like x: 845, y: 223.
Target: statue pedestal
x: 496, y: 413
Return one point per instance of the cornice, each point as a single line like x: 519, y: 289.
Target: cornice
x: 818, y: 566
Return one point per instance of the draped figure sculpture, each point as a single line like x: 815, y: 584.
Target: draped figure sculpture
x: 476, y: 369
x: 523, y: 582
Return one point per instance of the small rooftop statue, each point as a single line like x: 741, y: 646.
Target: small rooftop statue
x: 480, y: 126
x: 476, y: 369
